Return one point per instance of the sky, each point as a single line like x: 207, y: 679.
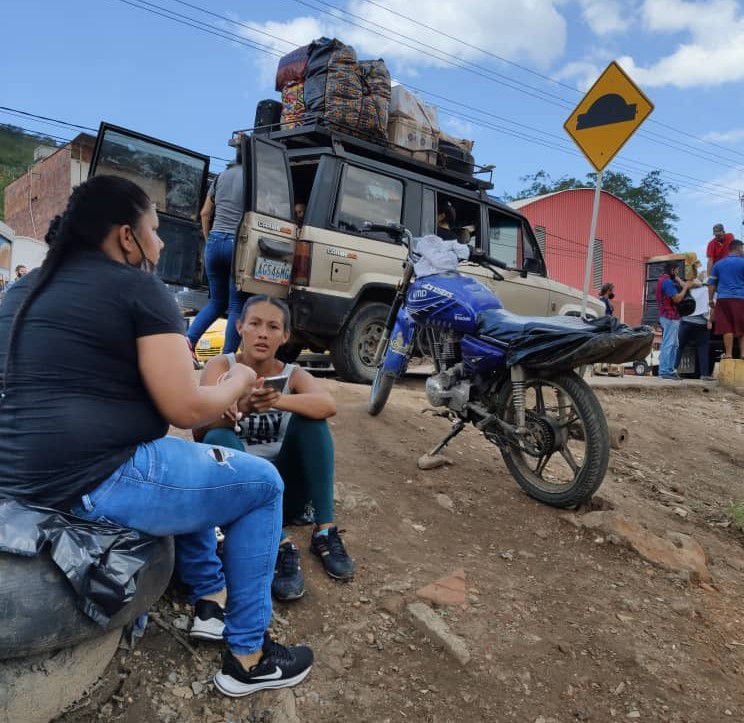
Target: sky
x: 506, y: 73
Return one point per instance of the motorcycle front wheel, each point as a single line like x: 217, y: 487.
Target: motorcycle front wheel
x: 382, y: 385
x: 561, y: 458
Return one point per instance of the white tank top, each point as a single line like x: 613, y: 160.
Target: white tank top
x: 262, y: 433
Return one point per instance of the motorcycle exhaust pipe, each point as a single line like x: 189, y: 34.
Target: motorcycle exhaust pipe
x: 618, y: 434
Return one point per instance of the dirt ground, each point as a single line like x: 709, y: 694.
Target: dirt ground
x: 561, y: 625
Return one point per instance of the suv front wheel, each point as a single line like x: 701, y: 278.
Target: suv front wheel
x: 353, y: 351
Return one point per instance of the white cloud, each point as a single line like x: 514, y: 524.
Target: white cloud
x: 713, y: 54
x: 584, y: 72
x: 732, y: 136
x: 532, y: 31
x: 458, y: 127
x: 606, y: 17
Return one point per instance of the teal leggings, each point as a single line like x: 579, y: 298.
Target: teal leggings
x: 305, y: 463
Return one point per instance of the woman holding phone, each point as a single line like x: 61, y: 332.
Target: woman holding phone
x: 283, y: 421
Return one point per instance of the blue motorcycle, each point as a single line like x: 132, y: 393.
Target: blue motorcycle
x: 510, y: 376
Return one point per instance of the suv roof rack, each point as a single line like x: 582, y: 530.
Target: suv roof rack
x: 319, y: 135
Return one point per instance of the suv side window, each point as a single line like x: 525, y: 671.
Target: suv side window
x: 367, y: 196
x: 503, y: 237
x: 273, y: 195
x: 531, y: 256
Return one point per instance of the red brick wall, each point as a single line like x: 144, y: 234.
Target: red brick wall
x: 50, y: 182
x: 35, y: 198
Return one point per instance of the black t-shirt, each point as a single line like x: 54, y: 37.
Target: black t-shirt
x: 76, y: 406
x: 446, y: 234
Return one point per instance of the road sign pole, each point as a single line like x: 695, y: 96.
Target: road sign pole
x: 590, y: 250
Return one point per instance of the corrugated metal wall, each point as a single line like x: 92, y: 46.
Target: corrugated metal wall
x: 626, y: 242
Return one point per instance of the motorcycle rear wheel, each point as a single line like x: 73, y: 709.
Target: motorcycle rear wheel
x: 570, y: 441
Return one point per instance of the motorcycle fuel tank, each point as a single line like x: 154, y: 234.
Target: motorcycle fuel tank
x: 450, y: 301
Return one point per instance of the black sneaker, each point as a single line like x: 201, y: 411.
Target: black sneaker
x: 279, y: 667
x: 330, y: 549
x: 288, y: 583
x: 209, y: 621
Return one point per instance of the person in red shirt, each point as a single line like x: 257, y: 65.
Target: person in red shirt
x: 718, y: 246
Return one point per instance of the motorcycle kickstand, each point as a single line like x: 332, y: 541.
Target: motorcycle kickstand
x: 457, y: 427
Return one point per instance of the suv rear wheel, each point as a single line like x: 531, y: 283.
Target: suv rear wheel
x: 353, y: 351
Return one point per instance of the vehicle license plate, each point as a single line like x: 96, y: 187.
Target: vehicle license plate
x: 276, y: 272
x: 204, y: 344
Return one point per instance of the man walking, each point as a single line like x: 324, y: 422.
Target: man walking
x: 727, y: 279
x: 718, y: 246
x: 669, y: 291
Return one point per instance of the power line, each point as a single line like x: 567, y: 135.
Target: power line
x: 224, y: 34
x: 541, y: 75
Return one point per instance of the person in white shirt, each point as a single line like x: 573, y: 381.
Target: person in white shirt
x: 695, y: 329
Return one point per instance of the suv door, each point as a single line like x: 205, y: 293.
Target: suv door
x: 510, y: 240
x: 265, y: 243
x: 175, y: 178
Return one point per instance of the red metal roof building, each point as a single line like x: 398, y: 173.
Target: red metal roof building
x: 624, y: 241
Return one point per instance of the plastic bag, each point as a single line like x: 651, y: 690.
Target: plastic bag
x: 100, y: 561
x: 436, y: 256
x: 565, y: 342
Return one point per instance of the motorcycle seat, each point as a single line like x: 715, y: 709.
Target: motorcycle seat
x: 504, y: 326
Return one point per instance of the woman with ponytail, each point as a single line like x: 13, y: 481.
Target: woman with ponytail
x: 94, y: 366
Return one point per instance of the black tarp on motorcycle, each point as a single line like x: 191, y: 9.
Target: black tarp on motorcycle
x: 65, y: 579
x: 565, y: 342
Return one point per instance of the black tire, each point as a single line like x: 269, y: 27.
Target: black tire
x: 640, y: 368
x: 593, y: 432
x: 382, y: 385
x: 40, y: 610
x: 354, y: 349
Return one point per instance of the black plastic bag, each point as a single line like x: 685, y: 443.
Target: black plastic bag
x: 100, y: 560
x: 566, y: 342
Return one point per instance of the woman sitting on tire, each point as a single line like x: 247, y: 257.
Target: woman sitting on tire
x: 283, y: 420
x: 94, y: 368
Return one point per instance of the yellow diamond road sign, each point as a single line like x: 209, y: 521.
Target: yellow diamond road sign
x: 607, y: 116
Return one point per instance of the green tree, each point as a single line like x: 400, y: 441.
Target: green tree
x: 650, y: 198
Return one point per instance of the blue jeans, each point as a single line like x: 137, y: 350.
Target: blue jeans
x: 174, y: 487
x: 223, y: 294
x: 669, y: 345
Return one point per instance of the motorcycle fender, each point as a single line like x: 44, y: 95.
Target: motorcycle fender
x: 400, y: 346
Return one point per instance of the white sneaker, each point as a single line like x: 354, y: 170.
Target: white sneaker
x: 209, y: 621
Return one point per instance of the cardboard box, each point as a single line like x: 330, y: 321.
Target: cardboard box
x: 405, y: 104
x: 408, y: 136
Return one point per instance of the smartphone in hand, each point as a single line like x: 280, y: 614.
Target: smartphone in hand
x: 277, y: 382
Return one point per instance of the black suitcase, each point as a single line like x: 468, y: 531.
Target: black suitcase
x: 454, y: 158
x: 268, y: 116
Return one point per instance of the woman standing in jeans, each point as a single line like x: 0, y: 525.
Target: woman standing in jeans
x: 220, y: 218
x: 94, y: 368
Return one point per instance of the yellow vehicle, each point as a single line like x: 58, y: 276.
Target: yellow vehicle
x: 211, y: 342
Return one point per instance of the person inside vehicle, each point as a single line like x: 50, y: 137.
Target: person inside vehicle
x: 284, y: 421
x: 299, y: 214
x: 446, y: 219
x: 220, y: 218
x: 87, y: 392
x: 606, y: 294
